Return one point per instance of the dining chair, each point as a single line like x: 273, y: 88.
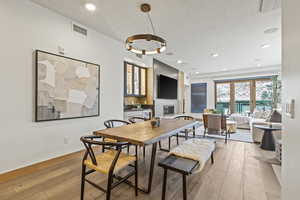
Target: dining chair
x: 215, y: 124
x: 183, y: 117
x: 136, y: 120
x: 111, y: 124
x: 108, y: 163
x: 187, y: 131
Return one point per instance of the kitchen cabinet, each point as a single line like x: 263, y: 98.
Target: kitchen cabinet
x: 135, y: 80
x: 147, y: 113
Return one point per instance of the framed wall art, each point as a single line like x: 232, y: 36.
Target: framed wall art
x: 66, y: 88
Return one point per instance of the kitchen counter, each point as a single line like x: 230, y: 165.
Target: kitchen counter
x: 140, y: 112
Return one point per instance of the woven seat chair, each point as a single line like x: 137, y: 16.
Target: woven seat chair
x: 177, y: 135
x: 136, y: 120
x: 111, y: 124
x: 187, y: 131
x: 108, y: 163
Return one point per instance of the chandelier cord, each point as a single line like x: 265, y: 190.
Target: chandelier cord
x: 152, y: 26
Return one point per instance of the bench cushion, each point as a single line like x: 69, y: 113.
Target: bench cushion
x: 179, y: 164
x: 196, y: 149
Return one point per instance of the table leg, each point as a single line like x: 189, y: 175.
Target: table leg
x: 152, y: 165
x: 268, y: 141
x: 184, y: 186
x: 194, y: 131
x: 146, y: 190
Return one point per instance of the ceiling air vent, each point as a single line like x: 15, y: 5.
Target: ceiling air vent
x: 269, y: 5
x: 79, y: 30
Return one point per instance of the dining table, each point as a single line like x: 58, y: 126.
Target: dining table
x: 143, y: 134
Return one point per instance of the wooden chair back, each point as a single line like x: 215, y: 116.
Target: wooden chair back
x: 185, y: 117
x: 205, y: 121
x: 90, y: 141
x: 137, y: 119
x: 214, y: 122
x: 115, y: 123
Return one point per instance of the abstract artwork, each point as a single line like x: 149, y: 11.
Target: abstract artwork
x: 66, y: 88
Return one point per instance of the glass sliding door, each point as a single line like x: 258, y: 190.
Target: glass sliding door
x: 264, y: 93
x: 242, y: 97
x: 223, y: 97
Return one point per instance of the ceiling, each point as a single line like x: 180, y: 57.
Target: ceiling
x: 194, y: 29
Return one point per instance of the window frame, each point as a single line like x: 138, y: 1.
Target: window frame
x: 232, y: 91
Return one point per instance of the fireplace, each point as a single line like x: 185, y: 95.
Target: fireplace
x: 169, y: 109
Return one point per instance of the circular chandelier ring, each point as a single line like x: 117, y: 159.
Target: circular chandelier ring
x: 148, y: 37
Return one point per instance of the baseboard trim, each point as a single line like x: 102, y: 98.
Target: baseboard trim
x: 7, y: 176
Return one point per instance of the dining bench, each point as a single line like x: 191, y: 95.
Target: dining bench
x: 186, y: 159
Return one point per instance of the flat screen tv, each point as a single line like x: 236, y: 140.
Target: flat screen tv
x: 166, y: 87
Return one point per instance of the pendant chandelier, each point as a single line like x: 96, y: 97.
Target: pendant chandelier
x: 159, y: 43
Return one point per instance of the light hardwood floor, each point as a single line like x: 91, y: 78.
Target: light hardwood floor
x: 238, y: 174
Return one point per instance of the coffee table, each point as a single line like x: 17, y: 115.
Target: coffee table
x: 267, y: 142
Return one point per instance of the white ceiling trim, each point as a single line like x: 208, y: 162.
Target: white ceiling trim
x: 275, y: 69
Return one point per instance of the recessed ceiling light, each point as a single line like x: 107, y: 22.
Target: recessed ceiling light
x: 258, y: 65
x: 225, y: 69
x: 90, y: 7
x: 263, y: 46
x: 214, y: 55
x: 271, y: 30
x: 179, y: 61
x: 197, y: 72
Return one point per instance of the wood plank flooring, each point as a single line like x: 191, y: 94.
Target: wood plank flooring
x: 237, y: 174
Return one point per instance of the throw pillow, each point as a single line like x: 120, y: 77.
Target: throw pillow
x: 275, y: 117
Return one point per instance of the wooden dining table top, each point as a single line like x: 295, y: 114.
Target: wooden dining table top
x: 142, y: 133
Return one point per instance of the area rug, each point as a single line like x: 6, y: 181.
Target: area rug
x: 241, y: 135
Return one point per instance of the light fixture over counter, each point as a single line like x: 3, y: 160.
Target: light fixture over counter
x: 159, y: 43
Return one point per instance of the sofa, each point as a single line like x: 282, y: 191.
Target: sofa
x: 257, y: 134
x: 242, y: 121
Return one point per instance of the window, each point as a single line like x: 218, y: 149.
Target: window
x: 243, y: 96
x: 264, y: 94
x: 223, y: 97
x: 198, y: 97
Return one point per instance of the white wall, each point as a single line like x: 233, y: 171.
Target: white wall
x: 291, y: 82
x: 24, y: 28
